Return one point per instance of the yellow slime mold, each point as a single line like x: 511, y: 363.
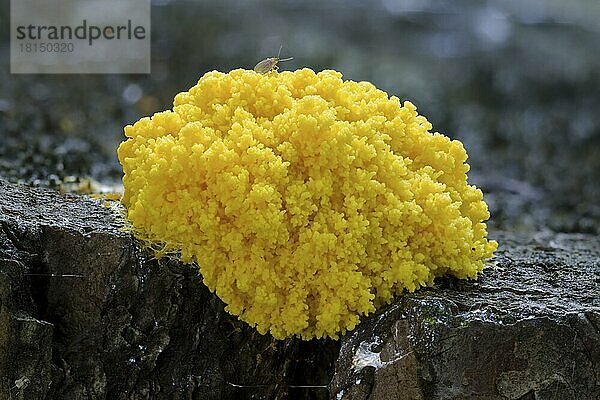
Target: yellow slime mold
x: 306, y: 200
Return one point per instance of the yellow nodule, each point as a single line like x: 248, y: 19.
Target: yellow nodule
x: 306, y: 200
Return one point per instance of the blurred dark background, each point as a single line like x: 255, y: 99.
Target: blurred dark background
x: 517, y: 81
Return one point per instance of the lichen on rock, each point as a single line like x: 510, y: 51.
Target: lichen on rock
x: 306, y: 200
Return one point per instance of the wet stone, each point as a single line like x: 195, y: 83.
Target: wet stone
x: 527, y: 328
x: 86, y: 313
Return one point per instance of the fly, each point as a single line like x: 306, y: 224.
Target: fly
x: 270, y: 64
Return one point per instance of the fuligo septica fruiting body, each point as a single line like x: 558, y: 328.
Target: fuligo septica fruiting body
x: 307, y: 201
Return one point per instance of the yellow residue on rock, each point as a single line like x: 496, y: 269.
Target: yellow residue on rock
x: 307, y: 201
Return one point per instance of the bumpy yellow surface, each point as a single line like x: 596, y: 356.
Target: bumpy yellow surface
x: 307, y: 201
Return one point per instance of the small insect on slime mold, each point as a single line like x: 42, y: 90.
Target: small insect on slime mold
x: 270, y: 64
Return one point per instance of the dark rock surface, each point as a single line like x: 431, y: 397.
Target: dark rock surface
x: 529, y: 328
x: 85, y: 313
